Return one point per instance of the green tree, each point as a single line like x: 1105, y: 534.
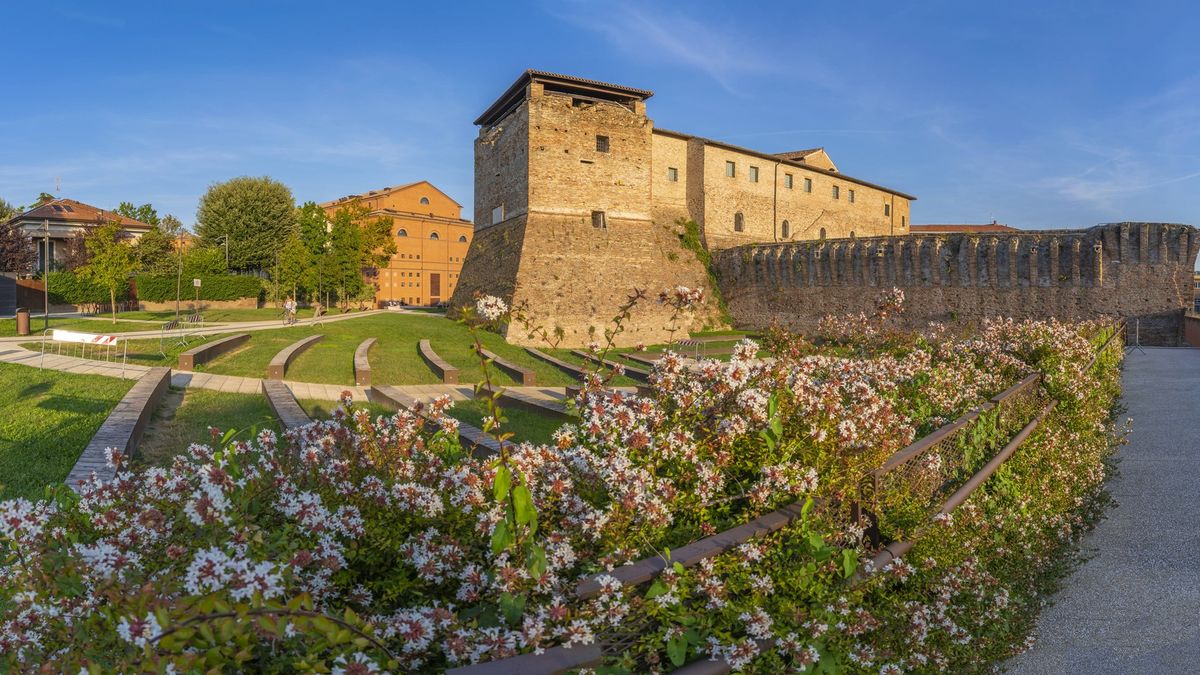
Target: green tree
x: 314, y: 227
x: 251, y: 216
x: 44, y: 197
x: 294, y: 263
x: 155, y: 254
x: 204, y: 261
x: 113, y: 261
x: 8, y: 211
x: 144, y: 213
x: 170, y: 226
x: 358, y: 245
x: 17, y: 251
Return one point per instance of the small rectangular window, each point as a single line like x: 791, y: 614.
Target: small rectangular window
x: 850, y: 196
x: 837, y: 192
x: 887, y: 209
x: 902, y: 221
x: 787, y: 181
x: 754, y: 174
x: 497, y: 214
x: 599, y: 221
x: 808, y: 185
x: 672, y: 174
x: 601, y: 143
x: 730, y: 169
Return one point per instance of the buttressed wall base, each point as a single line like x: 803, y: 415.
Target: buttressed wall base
x: 1139, y: 271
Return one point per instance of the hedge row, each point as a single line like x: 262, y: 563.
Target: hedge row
x: 215, y: 287
x: 70, y: 289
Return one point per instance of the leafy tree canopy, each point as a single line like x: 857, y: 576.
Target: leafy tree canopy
x: 314, y: 227
x: 252, y: 216
x: 144, y: 213
x: 154, y: 252
x: 113, y: 261
x: 44, y: 197
x: 8, y: 210
x: 17, y: 252
x: 204, y: 261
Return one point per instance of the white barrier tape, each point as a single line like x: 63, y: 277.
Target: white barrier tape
x: 85, y: 338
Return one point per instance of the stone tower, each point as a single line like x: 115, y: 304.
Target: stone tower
x: 563, y: 217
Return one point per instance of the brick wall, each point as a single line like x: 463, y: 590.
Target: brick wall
x: 1141, y: 271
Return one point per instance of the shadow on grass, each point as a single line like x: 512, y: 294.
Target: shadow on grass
x: 35, y: 389
x: 75, y: 404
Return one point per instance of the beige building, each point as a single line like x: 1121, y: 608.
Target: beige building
x: 431, y: 241
x: 62, y: 219
x: 562, y: 145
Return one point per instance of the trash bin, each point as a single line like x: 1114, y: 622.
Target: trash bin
x: 22, y: 321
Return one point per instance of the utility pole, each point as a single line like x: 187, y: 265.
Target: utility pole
x: 226, y: 238
x: 46, y: 276
x: 179, y: 271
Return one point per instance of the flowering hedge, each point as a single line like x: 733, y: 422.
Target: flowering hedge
x: 360, y: 545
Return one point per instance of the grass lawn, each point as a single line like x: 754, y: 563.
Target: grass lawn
x: 526, y: 424
x: 173, y: 429
x: 320, y: 411
x: 48, y: 417
x: 394, y: 359
x: 235, y: 314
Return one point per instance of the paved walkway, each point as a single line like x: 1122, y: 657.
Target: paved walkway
x: 1134, y: 607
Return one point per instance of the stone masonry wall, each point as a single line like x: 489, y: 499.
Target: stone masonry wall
x: 1139, y: 271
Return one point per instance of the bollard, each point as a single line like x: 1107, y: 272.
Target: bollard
x: 22, y: 321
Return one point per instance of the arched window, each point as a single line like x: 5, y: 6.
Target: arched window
x: 786, y: 230
x: 851, y: 234
x: 822, y: 233
x: 433, y: 235
x: 424, y: 200
x: 462, y: 238
x: 739, y: 223
x: 402, y: 233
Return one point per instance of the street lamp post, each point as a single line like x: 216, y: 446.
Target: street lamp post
x: 46, y: 277
x: 225, y: 237
x: 178, y: 272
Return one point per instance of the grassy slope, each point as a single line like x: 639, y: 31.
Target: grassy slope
x: 526, y: 424
x: 202, y: 408
x: 47, y: 418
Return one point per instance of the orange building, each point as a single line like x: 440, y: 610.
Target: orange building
x: 431, y: 241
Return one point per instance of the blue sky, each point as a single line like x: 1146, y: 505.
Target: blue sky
x: 1039, y: 114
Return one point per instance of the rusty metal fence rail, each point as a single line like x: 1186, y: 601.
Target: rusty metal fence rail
x: 1021, y: 409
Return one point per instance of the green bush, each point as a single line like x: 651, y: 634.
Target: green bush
x: 212, y: 287
x: 68, y: 288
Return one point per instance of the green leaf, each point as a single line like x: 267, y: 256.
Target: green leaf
x: 523, y: 506
x: 849, y: 562
x: 513, y: 606
x: 677, y: 649
x: 656, y: 589
x: 806, y: 509
x: 502, y: 537
x: 537, y: 561
x: 502, y: 483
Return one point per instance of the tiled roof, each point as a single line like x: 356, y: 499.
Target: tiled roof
x: 77, y: 212
x: 383, y: 191
x: 798, y: 155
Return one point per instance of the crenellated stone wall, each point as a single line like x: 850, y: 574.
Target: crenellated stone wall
x: 1139, y: 271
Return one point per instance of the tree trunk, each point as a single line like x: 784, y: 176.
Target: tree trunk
x: 112, y: 294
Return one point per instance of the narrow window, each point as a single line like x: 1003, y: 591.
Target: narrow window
x: 887, y: 209
x: 424, y: 200
x: 808, y: 185
x: 822, y: 233
x: 902, y: 223
x: 497, y: 214
x: 730, y: 169
x: 672, y: 174
x: 850, y: 196
x: 601, y: 143
x: 599, y: 221
x: 786, y: 230
x: 851, y: 234
x: 433, y: 235
x: 787, y: 181
x: 402, y: 233
x: 754, y: 174
x: 837, y: 192
x: 462, y: 238
x: 739, y: 223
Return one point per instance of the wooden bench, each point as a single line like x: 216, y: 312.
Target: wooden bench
x: 123, y: 428
x: 566, y: 367
x: 639, y: 374
x: 203, y: 354
x: 440, y: 367
x: 362, y: 364
x: 521, y: 374
x: 279, y: 365
x: 284, y: 406
x: 537, y: 404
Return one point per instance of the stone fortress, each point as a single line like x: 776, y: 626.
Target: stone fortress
x: 579, y: 199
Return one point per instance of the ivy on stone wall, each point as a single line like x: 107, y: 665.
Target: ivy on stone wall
x: 689, y: 238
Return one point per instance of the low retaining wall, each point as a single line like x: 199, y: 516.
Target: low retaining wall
x: 362, y: 363
x: 440, y: 366
x: 279, y: 365
x: 284, y: 406
x: 123, y: 429
x: 519, y: 373
x: 204, y: 353
x: 189, y: 304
